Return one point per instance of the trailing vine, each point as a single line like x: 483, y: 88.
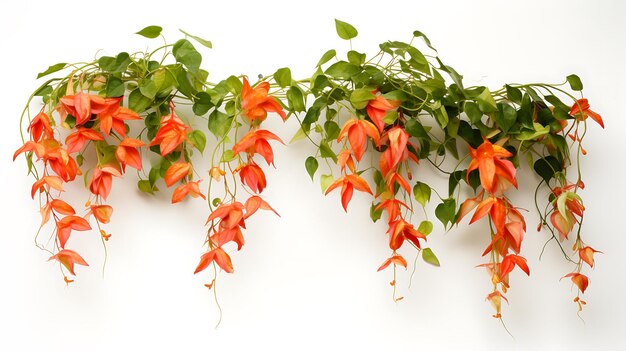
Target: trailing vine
x: 376, y: 121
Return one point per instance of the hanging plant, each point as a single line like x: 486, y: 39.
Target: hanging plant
x: 375, y: 120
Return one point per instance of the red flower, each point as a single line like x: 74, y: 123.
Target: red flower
x: 580, y: 110
x: 358, y: 131
x: 40, y: 126
x: 395, y: 259
x: 172, y: 133
x: 176, y: 172
x: 127, y: 153
x: 348, y: 183
x: 217, y: 255
x: 400, y: 230
x: 252, y: 175
x: 377, y: 109
x: 190, y: 188
x: 256, y: 141
x: 256, y: 103
x: 488, y: 159
x: 77, y: 140
x: 67, y: 224
x: 82, y: 106
x: 102, y: 180
x: 69, y: 258
x: 114, y: 116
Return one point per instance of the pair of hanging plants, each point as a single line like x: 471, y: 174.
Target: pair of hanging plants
x: 375, y: 120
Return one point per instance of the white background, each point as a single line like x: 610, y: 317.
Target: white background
x: 308, y: 280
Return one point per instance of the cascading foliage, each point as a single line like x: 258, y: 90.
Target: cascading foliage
x: 375, y: 120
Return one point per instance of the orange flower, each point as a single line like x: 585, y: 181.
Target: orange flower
x: 81, y: 106
x: 254, y: 203
x: 358, y: 131
x: 581, y: 280
x: 58, y: 206
x: 586, y: 254
x: 102, y: 213
x: 400, y: 230
x: 580, y: 110
x: 172, y: 133
x: 495, y: 298
x: 256, y: 141
x: 395, y: 259
x: 77, y: 140
x: 114, y: 116
x: 102, y: 180
x: 46, y: 182
x: 69, y: 258
x: 256, y: 103
x: 190, y: 188
x: 567, y: 205
x: 217, y: 255
x: 392, y: 206
x: 176, y: 172
x: 128, y: 154
x: 377, y: 109
x: 345, y: 159
x: 216, y: 173
x: 348, y: 183
x: 230, y: 215
x: 488, y: 159
x: 253, y: 176
x: 53, y: 155
x: 509, y: 262
x: 67, y: 224
x: 397, y: 151
x: 40, y: 126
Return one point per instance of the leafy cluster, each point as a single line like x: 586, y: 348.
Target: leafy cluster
x: 375, y: 121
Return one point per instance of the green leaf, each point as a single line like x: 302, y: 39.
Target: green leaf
x: 345, y: 30
x: 547, y: 167
x: 356, y: 58
x: 506, y: 116
x: 116, y: 64
x: 114, y: 87
x: 300, y: 134
x: 454, y: 180
x: 473, y: 112
x: 198, y: 139
x: 227, y: 156
x: 539, y: 130
x: 421, y: 192
x: 202, y: 103
x: 311, y: 166
x: 332, y: 130
x: 327, y: 152
x: 574, y: 82
x: 441, y: 115
x: 342, y: 70
x: 416, y: 129
x: 326, y: 57
x: 361, y: 97
x: 556, y: 102
x: 148, y: 88
x: 145, y: 186
x: 425, y: 227
x: 514, y: 94
x: 138, y: 102
x: 419, y: 34
x: 54, y: 68
x: 446, y: 211
x: 326, y: 180
x: 150, y: 32
x: 429, y: 257
x: 186, y: 53
x: 295, y: 98
x: 486, y: 103
x: 219, y: 123
x: 203, y: 42
x: 375, y: 214
x: 283, y: 77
